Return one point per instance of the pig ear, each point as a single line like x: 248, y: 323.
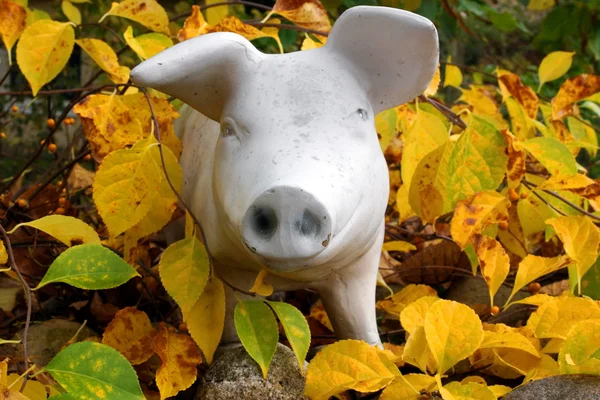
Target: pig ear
x: 202, y: 71
x: 394, y: 52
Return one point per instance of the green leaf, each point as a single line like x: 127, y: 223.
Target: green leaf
x: 553, y: 155
x: 183, y: 269
x: 477, y: 161
x: 257, y: 329
x: 89, y: 266
x: 295, y: 327
x: 95, y: 371
x: 63, y: 396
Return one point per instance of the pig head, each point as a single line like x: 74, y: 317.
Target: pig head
x: 281, y: 160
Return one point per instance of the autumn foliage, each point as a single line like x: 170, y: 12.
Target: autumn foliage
x: 487, y: 182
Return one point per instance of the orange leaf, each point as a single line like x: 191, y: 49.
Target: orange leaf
x: 515, y: 168
x: 131, y: 333
x: 571, y: 91
x: 194, y: 25
x: 305, y: 13
x: 180, y: 357
x: 510, y: 84
x: 233, y: 24
x: 12, y: 23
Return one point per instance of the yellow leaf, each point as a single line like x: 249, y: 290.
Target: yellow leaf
x: 34, y: 390
x: 540, y: 5
x: 499, y: 390
x: 108, y: 124
x: 233, y: 24
x: 398, y: 245
x: 130, y: 182
x: 12, y: 24
x: 453, y: 332
x: 43, y: 51
x: 578, y: 181
x: 554, y: 319
x: 71, y: 12
x: 473, y: 215
x: 580, y: 352
x: 317, y: 311
x: 206, y: 319
x: 554, y: 65
x: 260, y: 287
x: 147, y: 45
x: 452, y: 75
x: 418, y: 353
x: 194, y: 25
x: 385, y: 125
x: 408, y: 387
x: 427, y: 193
x: 402, y: 203
x: 71, y: 231
x: 165, y: 114
x: 413, y: 315
x: 434, y: 84
x: 520, y: 122
x: 396, y: 303
x: 179, y: 357
x: 513, y: 340
x: 184, y: 269
x: 481, y: 99
x: 532, y: 267
x: 146, y: 12
x: 535, y: 300
x: 131, y: 333
x: 469, y: 391
x: 395, y: 353
x: 515, y: 168
x: 553, y: 346
x: 580, y: 238
x: 106, y: 58
x: 510, y: 84
x: 427, y: 134
x: 215, y: 14
x: 571, y: 91
x: 308, y: 43
x: 494, y: 263
x: 544, y: 368
x: 305, y: 13
x: 3, y: 254
x: 348, y: 364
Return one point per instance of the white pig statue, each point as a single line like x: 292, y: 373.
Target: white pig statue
x: 281, y: 161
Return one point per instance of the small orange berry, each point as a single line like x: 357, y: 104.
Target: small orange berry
x: 14, y: 108
x: 2, y: 135
x: 183, y: 327
x: 87, y: 157
x: 171, y: 329
x: 513, y: 195
x: 42, y: 142
x: 524, y: 195
x: 60, y: 211
x: 59, y: 183
x: 52, y: 148
x: 534, y: 287
x: 22, y: 203
x: 62, y: 201
x: 139, y: 287
x: 495, y: 310
x: 503, y: 225
x: 51, y: 123
x: 63, y: 192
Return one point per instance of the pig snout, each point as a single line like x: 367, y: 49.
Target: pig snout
x: 287, y: 223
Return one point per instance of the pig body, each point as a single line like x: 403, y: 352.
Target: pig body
x: 291, y: 179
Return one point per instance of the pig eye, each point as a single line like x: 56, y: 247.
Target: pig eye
x: 227, y: 130
x: 363, y: 114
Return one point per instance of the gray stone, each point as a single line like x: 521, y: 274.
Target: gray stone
x: 236, y: 376
x: 45, y: 340
x: 559, y: 387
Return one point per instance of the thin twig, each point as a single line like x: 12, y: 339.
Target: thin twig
x: 6, y: 74
x: 532, y: 187
x: 567, y: 202
x: 286, y: 26
x: 224, y: 3
x: 27, y: 289
x: 448, y: 113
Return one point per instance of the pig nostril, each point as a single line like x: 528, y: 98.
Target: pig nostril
x: 264, y: 222
x: 310, y: 225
